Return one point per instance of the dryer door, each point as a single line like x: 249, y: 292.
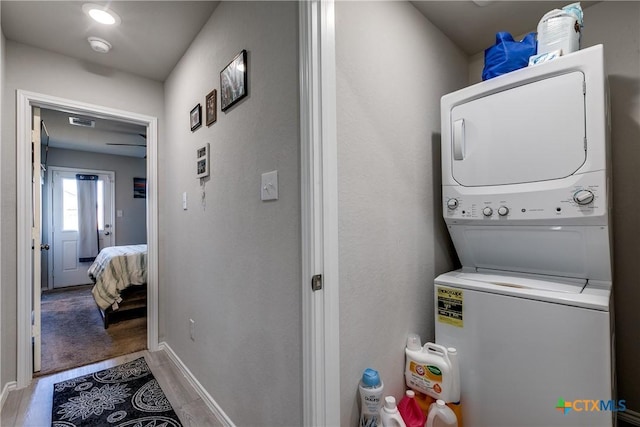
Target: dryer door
x: 533, y: 132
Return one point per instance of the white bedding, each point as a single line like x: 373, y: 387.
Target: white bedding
x: 116, y: 268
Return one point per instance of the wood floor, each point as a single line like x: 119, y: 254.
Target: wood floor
x: 73, y: 332
x: 31, y: 406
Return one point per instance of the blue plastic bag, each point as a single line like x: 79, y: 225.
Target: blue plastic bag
x: 507, y: 54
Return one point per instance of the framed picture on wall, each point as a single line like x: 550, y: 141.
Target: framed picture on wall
x: 139, y: 188
x: 233, y: 81
x: 196, y: 117
x: 211, y: 107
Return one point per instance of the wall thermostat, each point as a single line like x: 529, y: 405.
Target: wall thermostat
x: 202, y: 161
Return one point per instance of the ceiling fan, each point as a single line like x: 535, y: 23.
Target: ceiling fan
x: 131, y: 144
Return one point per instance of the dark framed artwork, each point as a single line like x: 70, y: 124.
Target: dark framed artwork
x: 211, y: 107
x: 233, y: 81
x: 195, y: 117
x: 139, y: 188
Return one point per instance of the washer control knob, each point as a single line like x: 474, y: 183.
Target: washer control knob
x: 503, y: 211
x: 583, y: 197
x: 487, y: 211
x: 452, y: 204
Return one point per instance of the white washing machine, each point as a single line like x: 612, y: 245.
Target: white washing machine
x: 526, y: 201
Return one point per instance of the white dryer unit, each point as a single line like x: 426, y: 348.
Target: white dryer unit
x: 526, y: 202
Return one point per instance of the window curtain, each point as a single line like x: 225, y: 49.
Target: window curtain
x: 87, y: 217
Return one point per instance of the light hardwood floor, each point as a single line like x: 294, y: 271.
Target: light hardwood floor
x: 31, y: 406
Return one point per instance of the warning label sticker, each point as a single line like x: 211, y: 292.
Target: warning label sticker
x: 450, y: 306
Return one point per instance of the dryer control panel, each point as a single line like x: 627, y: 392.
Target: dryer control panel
x: 583, y: 199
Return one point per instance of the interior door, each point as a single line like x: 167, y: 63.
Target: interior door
x: 67, y: 269
x: 36, y: 235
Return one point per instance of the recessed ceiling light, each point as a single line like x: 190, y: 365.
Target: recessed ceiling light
x: 101, y: 14
x: 99, y: 45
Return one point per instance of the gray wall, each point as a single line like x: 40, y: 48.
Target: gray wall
x: 234, y: 265
x: 45, y: 72
x: 614, y: 24
x: 131, y: 228
x: 392, y: 68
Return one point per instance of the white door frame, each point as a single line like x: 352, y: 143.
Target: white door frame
x: 319, y: 204
x: 50, y: 171
x: 26, y: 100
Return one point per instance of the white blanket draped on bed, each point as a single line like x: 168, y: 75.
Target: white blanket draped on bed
x: 115, y: 269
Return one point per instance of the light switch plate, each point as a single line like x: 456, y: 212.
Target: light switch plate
x: 269, y: 186
x: 184, y: 200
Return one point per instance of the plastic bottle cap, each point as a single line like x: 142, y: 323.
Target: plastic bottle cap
x: 452, y: 350
x: 370, y: 378
x: 410, y: 394
x: 413, y: 342
x: 440, y: 403
x: 390, y: 402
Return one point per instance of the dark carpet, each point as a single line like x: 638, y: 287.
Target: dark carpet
x: 125, y: 395
x: 73, y: 333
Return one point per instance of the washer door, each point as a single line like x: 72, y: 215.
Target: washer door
x: 534, y: 132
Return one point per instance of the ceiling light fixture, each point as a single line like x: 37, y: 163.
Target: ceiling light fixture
x: 101, y: 14
x: 99, y: 45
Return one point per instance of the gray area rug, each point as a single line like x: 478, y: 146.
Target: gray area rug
x: 73, y: 333
x: 126, y: 395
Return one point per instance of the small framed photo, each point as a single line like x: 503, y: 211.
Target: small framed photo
x: 196, y: 117
x: 233, y: 81
x: 139, y: 188
x: 202, y: 161
x: 211, y: 107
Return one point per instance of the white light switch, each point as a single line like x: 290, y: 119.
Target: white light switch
x: 119, y: 213
x: 269, y: 186
x: 184, y: 200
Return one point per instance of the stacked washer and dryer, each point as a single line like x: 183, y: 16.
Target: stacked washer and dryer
x: 526, y: 195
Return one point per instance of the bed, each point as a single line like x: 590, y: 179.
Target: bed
x: 119, y: 274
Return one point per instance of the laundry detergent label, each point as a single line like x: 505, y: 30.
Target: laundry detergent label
x: 450, y: 306
x: 424, y: 378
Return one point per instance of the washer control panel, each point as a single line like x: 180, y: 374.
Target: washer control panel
x: 576, y: 201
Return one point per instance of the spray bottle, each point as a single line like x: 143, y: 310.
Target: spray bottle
x: 370, y: 394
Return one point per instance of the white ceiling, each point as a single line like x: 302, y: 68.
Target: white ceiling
x: 107, y: 137
x: 153, y: 36
x: 472, y: 28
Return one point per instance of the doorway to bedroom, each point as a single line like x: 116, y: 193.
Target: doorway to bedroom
x: 93, y: 172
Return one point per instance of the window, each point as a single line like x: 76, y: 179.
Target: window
x: 70, y: 204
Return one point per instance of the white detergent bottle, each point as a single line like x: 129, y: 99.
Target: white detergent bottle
x: 428, y: 369
x: 371, y: 397
x: 454, y: 397
x: 440, y: 415
x: 389, y: 414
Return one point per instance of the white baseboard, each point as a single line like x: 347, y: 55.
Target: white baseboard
x: 11, y: 385
x: 629, y: 416
x: 204, y: 395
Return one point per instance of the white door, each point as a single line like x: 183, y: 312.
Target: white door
x: 36, y: 194
x: 67, y: 270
